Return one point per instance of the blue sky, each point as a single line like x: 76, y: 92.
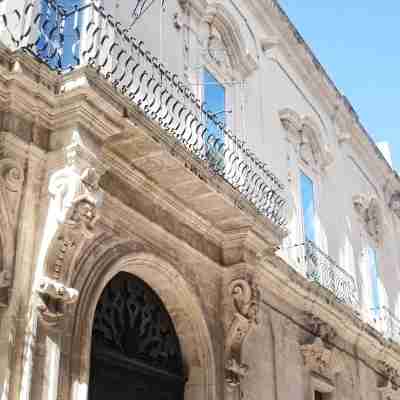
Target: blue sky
x: 358, y: 43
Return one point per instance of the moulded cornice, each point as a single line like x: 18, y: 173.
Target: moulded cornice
x: 300, y: 56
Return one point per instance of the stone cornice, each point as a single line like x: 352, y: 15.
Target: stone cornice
x: 280, y: 279
x: 316, y: 79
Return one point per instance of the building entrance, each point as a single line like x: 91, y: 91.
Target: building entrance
x: 135, y: 350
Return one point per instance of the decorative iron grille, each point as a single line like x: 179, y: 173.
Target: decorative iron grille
x: 324, y: 271
x: 65, y: 38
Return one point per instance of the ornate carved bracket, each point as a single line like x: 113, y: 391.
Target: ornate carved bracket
x: 75, y: 201
x: 371, y: 216
x: 12, y: 177
x: 390, y: 385
x: 319, y: 356
x: 245, y: 300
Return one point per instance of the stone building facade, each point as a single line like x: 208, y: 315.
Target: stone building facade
x: 189, y: 209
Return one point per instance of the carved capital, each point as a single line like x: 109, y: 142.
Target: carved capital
x: 245, y: 298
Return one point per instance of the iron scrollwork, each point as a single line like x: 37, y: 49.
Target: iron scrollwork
x: 323, y: 270
x: 131, y: 320
x: 103, y: 43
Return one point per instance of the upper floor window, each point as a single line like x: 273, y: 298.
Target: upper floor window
x: 374, y: 296
x: 214, y: 97
x: 308, y: 206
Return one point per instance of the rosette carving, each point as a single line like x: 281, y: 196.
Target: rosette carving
x: 246, y: 298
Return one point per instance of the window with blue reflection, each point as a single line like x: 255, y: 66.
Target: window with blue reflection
x: 214, y: 97
x: 308, y: 204
x: 374, y: 279
x: 51, y: 38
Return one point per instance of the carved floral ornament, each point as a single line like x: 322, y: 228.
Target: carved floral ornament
x: 318, y: 353
x: 245, y: 298
x: 371, y: 216
x: 307, y: 139
x: 75, y: 201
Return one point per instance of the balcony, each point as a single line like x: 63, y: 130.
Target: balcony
x: 67, y: 39
x: 321, y: 269
x: 386, y: 322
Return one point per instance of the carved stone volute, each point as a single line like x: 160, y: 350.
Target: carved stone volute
x: 12, y: 176
x: 75, y: 199
x: 245, y: 298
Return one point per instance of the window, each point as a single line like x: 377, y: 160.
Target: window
x: 50, y: 34
x: 308, y: 206
x: 374, y: 282
x: 214, y: 97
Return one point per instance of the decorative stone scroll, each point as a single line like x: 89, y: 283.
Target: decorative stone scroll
x: 371, y: 216
x: 390, y: 384
x: 11, y: 184
x: 245, y: 298
x: 75, y: 201
x: 319, y: 355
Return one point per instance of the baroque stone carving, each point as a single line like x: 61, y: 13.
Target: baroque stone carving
x: 11, y: 183
x: 318, y: 353
x: 246, y: 298
x: 75, y: 200
x: 394, y: 203
x: 371, y: 216
x: 303, y: 132
x: 390, y: 385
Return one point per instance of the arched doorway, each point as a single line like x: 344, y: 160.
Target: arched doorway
x: 135, y: 350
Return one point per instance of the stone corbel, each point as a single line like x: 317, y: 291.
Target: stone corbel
x: 245, y: 298
x: 12, y: 176
x: 75, y: 201
x: 318, y: 354
x: 390, y: 384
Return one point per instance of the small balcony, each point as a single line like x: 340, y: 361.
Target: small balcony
x: 323, y: 270
x: 67, y: 39
x: 386, y: 322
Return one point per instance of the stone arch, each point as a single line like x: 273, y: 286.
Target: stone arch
x: 97, y: 268
x: 241, y: 54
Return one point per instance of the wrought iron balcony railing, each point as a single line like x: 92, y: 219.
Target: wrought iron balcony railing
x: 321, y: 269
x: 68, y: 38
x: 387, y: 323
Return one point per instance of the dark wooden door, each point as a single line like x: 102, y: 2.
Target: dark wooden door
x: 135, y: 350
